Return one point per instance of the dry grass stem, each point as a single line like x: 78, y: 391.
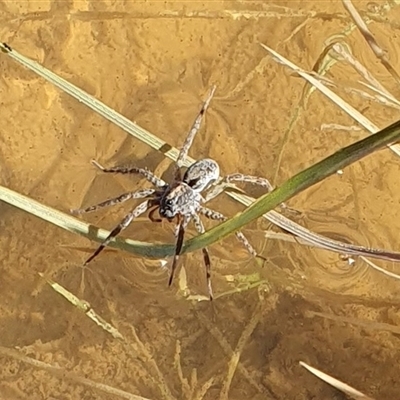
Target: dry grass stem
x: 299, y: 240
x: 366, y: 33
x: 382, y: 100
x: 62, y: 374
x: 190, y: 391
x: 368, y: 325
x: 378, y: 96
x: 268, y: 11
x: 199, y: 395
x: 85, y: 307
x: 338, y: 127
x: 297, y: 30
x: 351, y: 60
x: 351, y: 111
x: 141, y: 350
x: 186, y: 389
x: 380, y: 93
x: 220, y: 338
x: 247, y: 331
x: 379, y: 269
x: 343, y: 387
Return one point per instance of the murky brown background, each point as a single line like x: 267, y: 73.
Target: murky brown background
x: 154, y: 62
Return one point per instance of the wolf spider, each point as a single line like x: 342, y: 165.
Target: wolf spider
x: 180, y: 200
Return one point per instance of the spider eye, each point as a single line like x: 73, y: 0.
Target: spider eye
x: 169, y: 202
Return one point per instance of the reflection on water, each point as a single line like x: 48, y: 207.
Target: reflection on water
x: 153, y: 63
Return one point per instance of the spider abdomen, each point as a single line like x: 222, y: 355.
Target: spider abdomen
x: 201, y: 174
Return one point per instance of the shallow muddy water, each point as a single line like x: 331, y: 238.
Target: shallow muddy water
x: 154, y: 63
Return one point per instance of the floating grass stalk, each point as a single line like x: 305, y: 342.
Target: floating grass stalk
x: 372, y: 42
x: 336, y: 383
x: 293, y: 186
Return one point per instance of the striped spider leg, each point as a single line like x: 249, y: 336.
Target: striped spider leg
x: 200, y: 176
x: 216, y: 216
x: 137, y: 211
x: 191, y: 135
x: 238, y: 177
x: 206, y: 255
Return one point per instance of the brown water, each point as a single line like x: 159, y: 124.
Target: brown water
x: 154, y: 62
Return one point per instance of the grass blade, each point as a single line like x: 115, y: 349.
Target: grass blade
x: 298, y: 183
x: 71, y: 224
x: 85, y: 307
x: 96, y: 105
x: 351, y: 111
x: 372, y: 43
x: 257, y: 209
x: 290, y: 188
x: 339, y: 385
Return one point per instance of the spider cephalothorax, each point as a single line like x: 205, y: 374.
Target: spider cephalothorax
x: 181, y: 200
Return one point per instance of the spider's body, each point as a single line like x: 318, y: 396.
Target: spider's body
x: 202, y: 174
x: 181, y: 200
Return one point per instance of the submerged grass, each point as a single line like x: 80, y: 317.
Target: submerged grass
x: 370, y: 39
x: 291, y: 187
x: 336, y: 383
x: 288, y: 189
x: 264, y: 204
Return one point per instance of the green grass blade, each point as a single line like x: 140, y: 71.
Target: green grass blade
x: 297, y: 184
x: 71, y: 224
x: 291, y: 187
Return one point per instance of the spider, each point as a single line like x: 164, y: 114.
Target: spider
x: 181, y: 200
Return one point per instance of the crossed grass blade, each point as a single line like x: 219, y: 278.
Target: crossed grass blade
x: 293, y: 186
x: 298, y: 183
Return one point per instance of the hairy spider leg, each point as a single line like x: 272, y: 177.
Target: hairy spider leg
x: 179, y: 233
x: 237, y: 177
x: 254, y: 180
x: 206, y: 255
x: 155, y: 180
x: 139, y: 194
x: 140, y: 209
x: 216, y: 216
x: 190, y: 137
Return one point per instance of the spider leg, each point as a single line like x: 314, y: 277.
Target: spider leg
x: 190, y: 137
x: 132, y: 170
x: 254, y: 180
x: 206, y: 255
x: 237, y: 177
x: 140, y: 209
x: 215, y: 215
x: 140, y: 194
x: 179, y: 233
x: 151, y: 215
